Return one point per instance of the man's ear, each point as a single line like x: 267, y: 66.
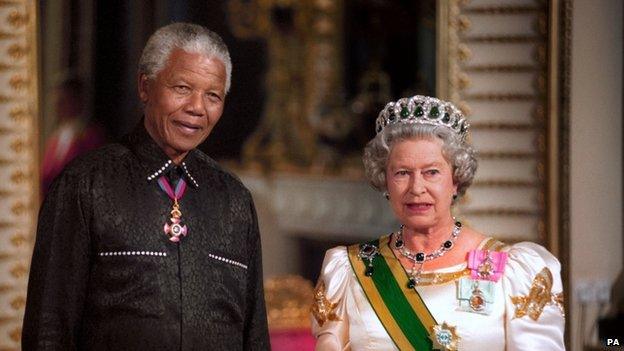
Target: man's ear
x: 142, y: 85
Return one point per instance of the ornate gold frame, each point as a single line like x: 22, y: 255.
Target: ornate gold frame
x: 552, y: 118
x: 19, y: 160
x: 453, y: 76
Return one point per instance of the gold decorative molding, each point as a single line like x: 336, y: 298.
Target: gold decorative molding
x: 503, y: 68
x: 19, y: 145
x: 19, y: 82
x: 461, y: 47
x: 6, y: 98
x: 288, y: 300
x: 20, y: 114
x: 19, y: 177
x: 505, y: 184
x: 504, y: 10
x: 16, y: 335
x: 501, y: 97
x: 19, y: 271
x: 5, y: 36
x: 519, y: 155
x: 549, y: 37
x: 504, y: 126
x: 18, y: 302
x: 19, y: 208
x: 19, y: 161
x: 503, y: 39
x: 18, y: 19
x: 19, y: 239
x: 5, y: 3
x: 17, y: 51
x: 4, y: 67
x: 463, y: 24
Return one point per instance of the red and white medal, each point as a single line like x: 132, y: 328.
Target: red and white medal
x: 174, y: 228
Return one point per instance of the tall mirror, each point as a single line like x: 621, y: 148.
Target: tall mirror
x: 332, y: 65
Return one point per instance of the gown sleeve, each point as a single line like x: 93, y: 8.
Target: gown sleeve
x: 330, y: 325
x: 533, y: 299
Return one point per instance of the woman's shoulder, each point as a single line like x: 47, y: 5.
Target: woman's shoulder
x: 530, y: 264
x: 336, y: 270
x: 534, y: 297
x: 526, y: 253
x: 339, y: 256
x: 334, y: 278
x: 336, y: 258
x: 531, y: 256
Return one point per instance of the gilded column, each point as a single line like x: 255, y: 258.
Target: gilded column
x: 19, y: 185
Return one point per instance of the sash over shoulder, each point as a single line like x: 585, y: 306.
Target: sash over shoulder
x: 401, y: 310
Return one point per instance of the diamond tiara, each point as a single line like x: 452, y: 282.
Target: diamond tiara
x: 423, y: 110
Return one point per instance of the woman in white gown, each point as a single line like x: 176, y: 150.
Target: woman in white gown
x: 434, y: 284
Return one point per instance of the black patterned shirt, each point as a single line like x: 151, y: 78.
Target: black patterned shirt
x: 105, y: 276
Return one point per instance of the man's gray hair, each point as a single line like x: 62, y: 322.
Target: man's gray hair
x: 189, y: 37
x: 459, y: 154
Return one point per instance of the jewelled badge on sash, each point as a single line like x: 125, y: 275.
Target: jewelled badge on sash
x: 174, y: 228
x: 476, y: 294
x: 444, y: 337
x: 367, y: 253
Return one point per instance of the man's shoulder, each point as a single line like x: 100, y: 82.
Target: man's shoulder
x: 214, y: 167
x: 85, y: 170
x: 105, y: 156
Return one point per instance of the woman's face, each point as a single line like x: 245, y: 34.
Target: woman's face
x: 420, y: 183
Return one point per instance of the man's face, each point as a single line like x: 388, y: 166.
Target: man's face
x: 184, y: 102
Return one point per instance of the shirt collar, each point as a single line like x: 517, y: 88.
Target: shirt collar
x: 154, y: 159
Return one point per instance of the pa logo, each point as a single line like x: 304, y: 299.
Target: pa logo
x: 612, y: 342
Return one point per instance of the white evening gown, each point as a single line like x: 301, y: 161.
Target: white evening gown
x: 358, y: 327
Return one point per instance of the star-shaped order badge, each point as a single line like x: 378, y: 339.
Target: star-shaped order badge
x: 444, y: 337
x: 323, y: 309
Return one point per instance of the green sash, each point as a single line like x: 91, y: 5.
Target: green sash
x: 401, y: 310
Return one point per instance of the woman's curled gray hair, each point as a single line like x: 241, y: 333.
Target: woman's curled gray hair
x: 189, y: 37
x: 459, y: 154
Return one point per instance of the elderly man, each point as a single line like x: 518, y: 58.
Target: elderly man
x: 148, y: 244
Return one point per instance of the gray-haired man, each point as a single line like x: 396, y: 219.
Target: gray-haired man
x: 148, y: 244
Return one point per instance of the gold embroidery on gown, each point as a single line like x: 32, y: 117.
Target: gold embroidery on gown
x: 539, y: 296
x: 360, y: 328
x: 323, y: 309
x: 427, y: 279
